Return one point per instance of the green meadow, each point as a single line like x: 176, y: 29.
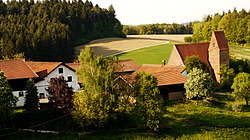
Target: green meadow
x: 224, y: 118
x: 155, y: 54
x: 150, y: 55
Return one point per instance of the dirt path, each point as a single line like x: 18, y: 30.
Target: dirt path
x: 113, y: 46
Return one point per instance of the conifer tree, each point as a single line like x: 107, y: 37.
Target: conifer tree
x: 7, y: 99
x: 31, y: 98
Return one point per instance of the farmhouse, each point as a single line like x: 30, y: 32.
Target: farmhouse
x: 19, y: 71
x: 171, y: 77
x: 48, y: 70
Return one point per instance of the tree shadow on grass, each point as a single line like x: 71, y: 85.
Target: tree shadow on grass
x: 245, y: 108
x: 219, y: 120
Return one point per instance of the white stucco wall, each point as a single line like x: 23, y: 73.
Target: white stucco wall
x: 21, y: 100
x: 43, y: 85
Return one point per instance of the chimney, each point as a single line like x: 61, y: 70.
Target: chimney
x: 163, y: 62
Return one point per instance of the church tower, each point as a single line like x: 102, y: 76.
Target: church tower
x: 218, y: 52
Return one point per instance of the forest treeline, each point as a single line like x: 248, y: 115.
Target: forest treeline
x: 48, y: 30
x: 236, y: 25
x: 158, y: 29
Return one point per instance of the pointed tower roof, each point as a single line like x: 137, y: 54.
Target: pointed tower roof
x: 220, y: 39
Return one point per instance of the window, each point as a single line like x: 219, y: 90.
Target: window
x: 20, y: 94
x: 60, y: 70
x: 41, y: 95
x: 69, y: 79
x: 213, y: 44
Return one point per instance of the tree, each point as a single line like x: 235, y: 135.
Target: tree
x: 31, y: 98
x: 96, y: 104
x: 7, y: 99
x: 198, y: 85
x: 60, y: 93
x: 241, y: 86
x: 226, y: 76
x: 149, y: 102
x: 193, y: 61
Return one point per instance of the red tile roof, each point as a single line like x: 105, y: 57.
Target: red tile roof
x: 165, y: 74
x: 197, y: 49
x: 221, y: 40
x: 16, y: 69
x: 127, y: 65
x: 73, y: 66
x: 43, y: 68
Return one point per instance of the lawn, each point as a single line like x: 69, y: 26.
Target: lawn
x: 241, y: 52
x: 150, y: 55
x: 224, y: 119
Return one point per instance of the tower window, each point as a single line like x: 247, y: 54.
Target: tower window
x: 60, y: 70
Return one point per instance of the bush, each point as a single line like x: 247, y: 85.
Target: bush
x: 188, y: 39
x: 198, y: 85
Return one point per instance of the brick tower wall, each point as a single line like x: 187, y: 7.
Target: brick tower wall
x: 218, y: 55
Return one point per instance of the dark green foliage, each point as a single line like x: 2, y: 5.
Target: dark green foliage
x: 188, y: 39
x: 235, y: 25
x: 149, y: 102
x: 48, y: 30
x: 194, y: 62
x: 7, y: 99
x: 240, y: 65
x: 31, y: 98
x: 241, y: 86
x: 226, y: 76
x: 158, y: 29
x: 60, y: 94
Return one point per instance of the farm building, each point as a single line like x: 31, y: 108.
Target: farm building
x: 171, y: 77
x: 19, y: 71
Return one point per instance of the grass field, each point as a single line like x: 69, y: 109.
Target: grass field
x: 224, y: 119
x: 151, y: 55
x: 241, y: 52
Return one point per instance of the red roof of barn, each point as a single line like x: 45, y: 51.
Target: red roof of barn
x: 165, y: 74
x: 127, y: 65
x: 197, y: 49
x: 16, y: 69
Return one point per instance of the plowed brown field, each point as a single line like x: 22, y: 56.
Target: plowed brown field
x: 113, y: 46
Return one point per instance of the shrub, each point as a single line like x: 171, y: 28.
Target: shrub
x: 188, y: 39
x: 198, y: 85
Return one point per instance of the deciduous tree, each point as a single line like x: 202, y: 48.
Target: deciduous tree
x: 226, y: 76
x: 60, y: 93
x: 198, y: 85
x: 192, y: 62
x: 96, y: 103
x: 241, y: 86
x: 148, y: 106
